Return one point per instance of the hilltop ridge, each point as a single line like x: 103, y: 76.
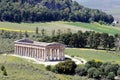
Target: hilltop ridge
x: 49, y: 10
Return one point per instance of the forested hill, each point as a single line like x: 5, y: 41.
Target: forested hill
x: 49, y: 10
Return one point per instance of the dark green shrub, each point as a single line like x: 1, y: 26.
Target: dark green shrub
x: 111, y: 76
x: 2, y: 68
x: 48, y: 68
x: 93, y: 72
x: 118, y: 72
x: 92, y: 63
x: 66, y: 67
x: 5, y: 72
x: 82, y: 71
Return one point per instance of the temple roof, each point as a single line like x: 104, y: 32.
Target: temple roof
x: 25, y: 40
x: 28, y: 41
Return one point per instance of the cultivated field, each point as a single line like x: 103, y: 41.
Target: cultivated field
x: 63, y: 26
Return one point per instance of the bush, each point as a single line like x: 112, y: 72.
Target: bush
x: 48, y: 68
x: 5, y: 72
x: 118, y: 72
x: 2, y: 68
x: 111, y: 76
x: 94, y: 73
x: 82, y: 71
x: 67, y: 67
x: 92, y: 63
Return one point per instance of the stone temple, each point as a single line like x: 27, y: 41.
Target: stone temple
x: 40, y: 50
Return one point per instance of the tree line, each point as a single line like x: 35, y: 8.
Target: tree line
x: 79, y: 39
x: 49, y: 10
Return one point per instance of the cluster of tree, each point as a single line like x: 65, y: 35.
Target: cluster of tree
x: 83, y: 39
x: 49, y: 10
x: 99, y: 70
x: 80, y: 39
x: 92, y: 69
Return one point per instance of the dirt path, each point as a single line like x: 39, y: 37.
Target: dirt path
x: 77, y: 60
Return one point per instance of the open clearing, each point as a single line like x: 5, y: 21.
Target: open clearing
x: 63, y: 26
x: 98, y: 55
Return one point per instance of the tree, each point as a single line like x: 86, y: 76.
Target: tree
x: 118, y: 72
x: 96, y: 40
x: 48, y: 68
x: 74, y: 40
x: 96, y: 74
x: 104, y: 40
x: 5, y: 72
x: 91, y: 72
x: 82, y: 71
x: 111, y: 76
x: 26, y: 34
x: 20, y: 35
x: 43, y: 32
x: 53, y: 33
x: 111, y: 42
x: 2, y: 68
x: 37, y: 30
x: 66, y: 67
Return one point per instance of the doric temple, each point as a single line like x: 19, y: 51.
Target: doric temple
x: 39, y: 50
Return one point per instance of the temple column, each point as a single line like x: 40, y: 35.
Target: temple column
x: 15, y: 50
x: 40, y: 53
x: 62, y: 54
x: 37, y: 53
x: 29, y: 51
x: 54, y: 54
x: 43, y: 53
x: 51, y: 54
x: 20, y: 50
x: 58, y: 54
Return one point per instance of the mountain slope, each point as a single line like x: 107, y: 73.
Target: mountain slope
x: 109, y: 6
x: 49, y: 10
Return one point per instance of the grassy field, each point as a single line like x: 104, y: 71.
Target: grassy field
x: 30, y: 27
x: 98, y: 55
x: 22, y: 69
x: 97, y: 27
x: 63, y: 26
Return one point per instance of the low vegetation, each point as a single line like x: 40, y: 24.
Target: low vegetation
x: 91, y: 69
x: 22, y: 69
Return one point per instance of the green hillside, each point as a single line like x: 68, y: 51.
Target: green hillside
x: 49, y: 10
x: 63, y: 26
x: 22, y: 69
x: 98, y: 55
x: 19, y: 69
